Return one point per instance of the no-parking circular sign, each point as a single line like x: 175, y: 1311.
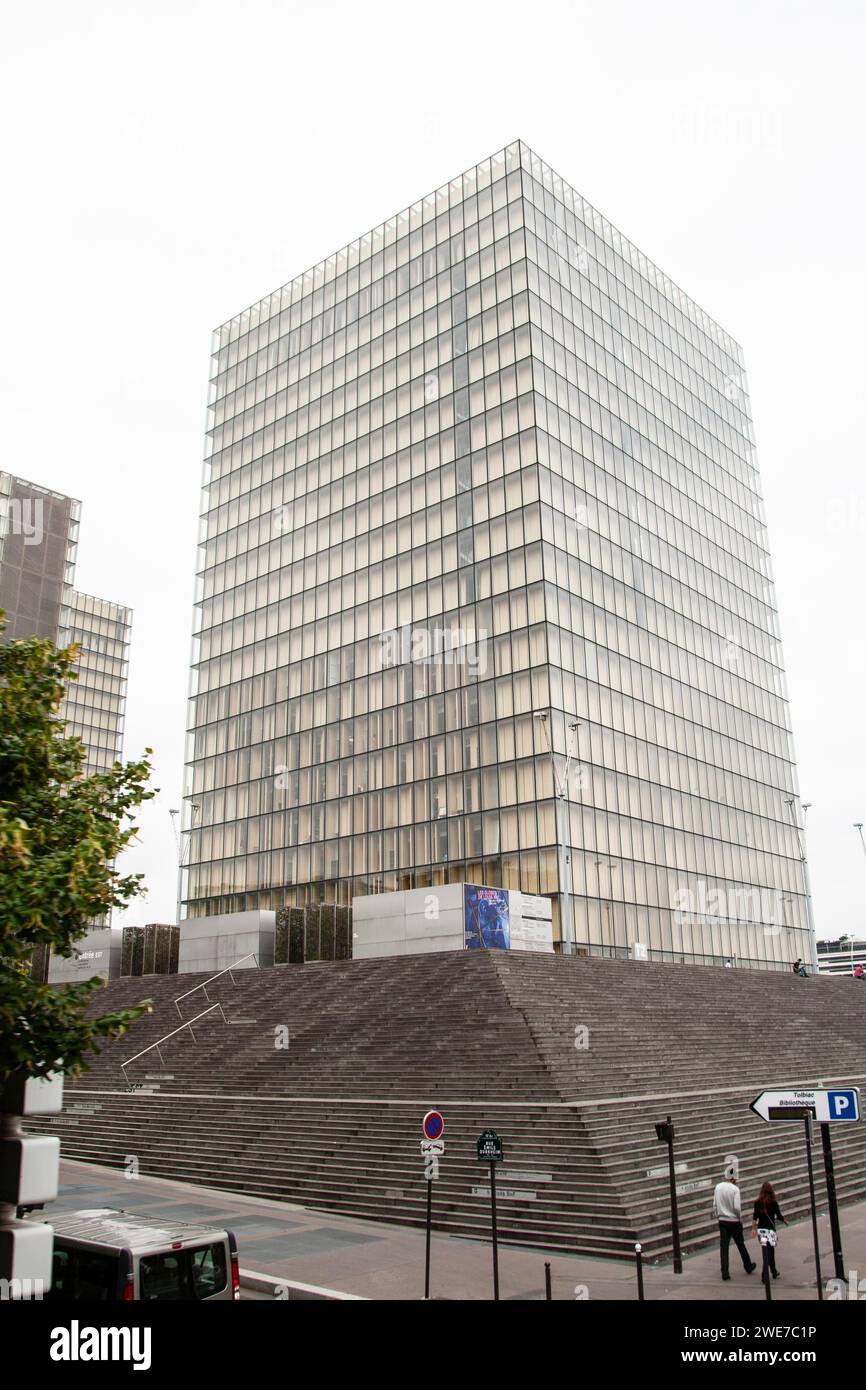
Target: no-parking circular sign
x: 433, y: 1125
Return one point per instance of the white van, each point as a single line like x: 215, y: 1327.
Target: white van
x: 114, y: 1255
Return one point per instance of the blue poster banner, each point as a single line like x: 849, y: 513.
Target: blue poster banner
x: 485, y: 917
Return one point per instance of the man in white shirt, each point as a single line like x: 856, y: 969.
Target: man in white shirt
x: 726, y: 1209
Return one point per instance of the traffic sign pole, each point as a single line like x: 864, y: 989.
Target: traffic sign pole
x: 832, y: 1202
x: 432, y: 1145
x: 489, y: 1149
x: 427, y: 1251
x: 828, y: 1107
x: 675, y: 1216
x: 807, y: 1121
x: 493, y: 1219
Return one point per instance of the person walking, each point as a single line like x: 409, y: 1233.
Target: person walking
x: 728, y: 1213
x: 764, y: 1217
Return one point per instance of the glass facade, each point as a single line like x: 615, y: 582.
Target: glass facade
x: 94, y: 705
x: 485, y: 463
x: 38, y: 549
x: 38, y: 543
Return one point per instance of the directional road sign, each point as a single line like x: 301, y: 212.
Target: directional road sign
x: 827, y: 1107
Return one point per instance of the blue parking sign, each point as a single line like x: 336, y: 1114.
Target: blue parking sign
x: 843, y: 1105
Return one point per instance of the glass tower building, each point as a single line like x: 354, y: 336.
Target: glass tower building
x: 488, y: 463
x: 95, y: 704
x: 38, y: 548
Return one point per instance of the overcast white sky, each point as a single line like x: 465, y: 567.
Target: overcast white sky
x: 164, y: 165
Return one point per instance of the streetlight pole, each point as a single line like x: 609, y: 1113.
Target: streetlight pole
x: 858, y: 826
x: 182, y: 850
x: 608, y: 902
x: 560, y: 789
x: 801, y: 841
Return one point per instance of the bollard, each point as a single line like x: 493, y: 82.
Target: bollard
x: 548, y: 1294
x: 638, y: 1260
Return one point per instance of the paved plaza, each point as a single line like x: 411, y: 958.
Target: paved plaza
x: 279, y: 1241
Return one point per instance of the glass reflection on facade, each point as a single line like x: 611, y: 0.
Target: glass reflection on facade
x: 94, y: 705
x: 484, y: 463
x: 38, y: 549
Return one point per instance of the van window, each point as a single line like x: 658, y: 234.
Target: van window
x: 163, y: 1276
x: 95, y: 1275
x: 209, y: 1273
x: 61, y: 1272
x: 186, y: 1274
x: 83, y: 1274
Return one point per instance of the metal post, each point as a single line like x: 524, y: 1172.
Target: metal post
x: 427, y: 1249
x: 832, y: 1202
x: 567, y: 924
x: 810, y: 916
x: 675, y: 1217
x: 638, y: 1260
x: 548, y: 1293
x: 493, y: 1219
x: 807, y: 1121
x: 568, y: 939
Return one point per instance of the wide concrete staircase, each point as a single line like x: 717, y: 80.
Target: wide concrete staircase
x: 308, y: 1083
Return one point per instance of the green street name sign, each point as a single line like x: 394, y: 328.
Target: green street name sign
x: 490, y: 1147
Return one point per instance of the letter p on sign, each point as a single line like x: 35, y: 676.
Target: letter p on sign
x: 843, y: 1105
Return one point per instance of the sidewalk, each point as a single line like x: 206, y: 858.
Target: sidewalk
x: 377, y: 1261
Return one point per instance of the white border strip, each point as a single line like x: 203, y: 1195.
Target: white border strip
x: 489, y: 1103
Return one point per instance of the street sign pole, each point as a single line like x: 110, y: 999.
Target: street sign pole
x: 828, y: 1107
x: 493, y: 1219
x: 807, y: 1122
x: 427, y: 1250
x: 675, y: 1216
x: 432, y: 1145
x: 489, y: 1149
x: 832, y: 1202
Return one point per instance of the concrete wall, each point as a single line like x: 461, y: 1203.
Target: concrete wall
x: 431, y: 919
x: 98, y: 954
x: 212, y: 943
x: 402, y: 924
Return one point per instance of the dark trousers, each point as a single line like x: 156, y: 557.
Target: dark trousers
x: 769, y: 1254
x: 732, y: 1231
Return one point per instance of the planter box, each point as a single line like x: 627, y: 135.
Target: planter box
x: 31, y: 1095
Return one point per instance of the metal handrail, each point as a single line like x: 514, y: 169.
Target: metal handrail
x: 157, y: 1044
x: 251, y: 955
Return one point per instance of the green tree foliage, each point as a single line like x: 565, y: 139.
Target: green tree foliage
x: 60, y: 835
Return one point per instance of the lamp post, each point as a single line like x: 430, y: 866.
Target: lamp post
x: 562, y: 830
x: 858, y: 826
x: 608, y: 901
x: 182, y: 850
x: 801, y: 842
